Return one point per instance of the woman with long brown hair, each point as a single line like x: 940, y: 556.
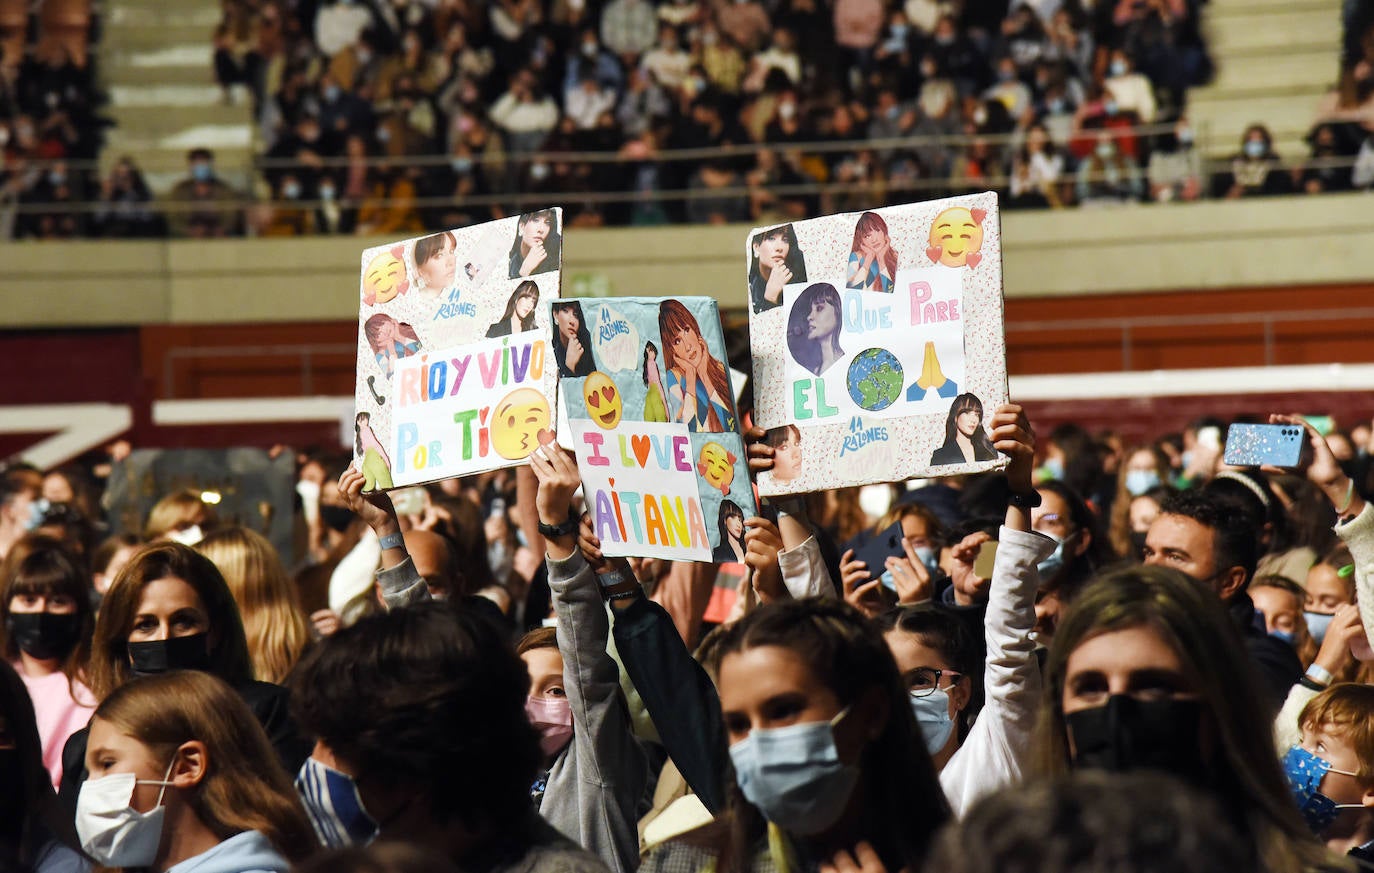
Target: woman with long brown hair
x: 180, y: 771
x: 698, y: 384
x: 1146, y: 672
x: 273, y: 623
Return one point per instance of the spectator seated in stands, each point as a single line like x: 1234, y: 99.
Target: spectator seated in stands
x: 203, y: 204
x: 1255, y: 171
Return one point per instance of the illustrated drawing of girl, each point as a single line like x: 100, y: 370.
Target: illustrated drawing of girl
x: 390, y: 339
x: 375, y: 464
x: 698, y: 384
x: 872, y: 260
x: 655, y: 406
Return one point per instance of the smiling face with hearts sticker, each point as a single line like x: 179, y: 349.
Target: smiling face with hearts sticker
x: 604, y: 405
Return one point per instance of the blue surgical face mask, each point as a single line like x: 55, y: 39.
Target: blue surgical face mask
x: 36, y: 510
x: 1317, y: 623
x: 1055, y: 105
x: 1305, y: 772
x: 1055, y: 467
x: 1118, y: 68
x: 794, y: 774
x: 461, y: 165
x: 335, y: 807
x: 1286, y: 636
x: 1112, y: 108
x: 1254, y: 148
x: 928, y: 558
x: 1054, y: 564
x: 932, y: 714
x: 1140, y: 481
x: 202, y: 172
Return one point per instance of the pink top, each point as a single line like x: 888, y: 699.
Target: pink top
x: 59, y: 715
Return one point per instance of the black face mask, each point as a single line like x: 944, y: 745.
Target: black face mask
x: 44, y: 635
x: 177, y: 653
x: 337, y: 517
x: 1131, y: 734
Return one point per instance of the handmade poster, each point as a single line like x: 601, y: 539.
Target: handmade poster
x: 654, y: 425
x: 244, y: 486
x: 455, y: 369
x: 878, y: 343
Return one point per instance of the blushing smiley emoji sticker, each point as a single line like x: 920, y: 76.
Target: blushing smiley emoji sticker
x: 604, y: 404
x: 384, y: 277
x: 956, y: 237
x: 716, y: 465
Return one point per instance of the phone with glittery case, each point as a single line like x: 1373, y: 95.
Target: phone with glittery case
x: 1258, y: 445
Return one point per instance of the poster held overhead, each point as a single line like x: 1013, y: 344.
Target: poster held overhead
x: 455, y: 371
x: 882, y: 357
x: 652, y: 412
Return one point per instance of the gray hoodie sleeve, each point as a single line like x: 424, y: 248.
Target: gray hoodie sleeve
x: 402, y: 586
x: 596, y: 783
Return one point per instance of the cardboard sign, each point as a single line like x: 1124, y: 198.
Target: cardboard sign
x: 454, y: 371
x: 654, y: 425
x: 255, y: 490
x: 878, y: 343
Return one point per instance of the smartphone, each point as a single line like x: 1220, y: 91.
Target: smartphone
x: 987, y: 554
x: 1255, y: 445
x: 409, y: 501
x: 878, y: 548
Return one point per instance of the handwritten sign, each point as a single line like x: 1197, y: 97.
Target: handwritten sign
x: 655, y: 429
x: 454, y: 371
x: 885, y: 359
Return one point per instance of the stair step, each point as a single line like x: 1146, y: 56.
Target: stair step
x: 164, y: 96
x: 1221, y: 9
x: 1277, y: 30
x: 158, y: 14
x: 155, y: 37
x: 1239, y: 73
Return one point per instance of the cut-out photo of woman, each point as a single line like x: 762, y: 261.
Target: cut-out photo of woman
x: 655, y: 401
x: 519, y: 314
x: 872, y: 259
x: 813, y: 328
x: 965, y: 439
x: 776, y: 261
x: 390, y: 340
x: 698, y: 384
x: 572, y: 341
x: 730, y: 526
x: 374, y: 464
x: 787, y: 454
x: 538, y: 244
x: 436, y: 262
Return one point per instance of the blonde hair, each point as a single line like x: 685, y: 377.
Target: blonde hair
x: 273, y: 620
x: 244, y: 787
x: 176, y: 509
x: 1346, y: 710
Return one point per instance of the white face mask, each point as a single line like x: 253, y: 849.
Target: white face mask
x: 187, y: 536
x: 310, y: 499
x: 110, y: 829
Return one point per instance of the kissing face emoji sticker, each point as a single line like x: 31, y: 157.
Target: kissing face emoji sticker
x: 384, y: 277
x: 604, y: 404
x: 956, y: 237
x: 515, y: 426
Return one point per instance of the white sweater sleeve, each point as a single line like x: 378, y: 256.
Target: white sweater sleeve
x: 803, y: 571
x: 996, y: 750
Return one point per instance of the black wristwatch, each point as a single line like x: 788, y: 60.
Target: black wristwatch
x: 1025, y: 499
x: 562, y: 530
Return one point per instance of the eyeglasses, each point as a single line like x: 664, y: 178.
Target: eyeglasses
x: 923, y: 681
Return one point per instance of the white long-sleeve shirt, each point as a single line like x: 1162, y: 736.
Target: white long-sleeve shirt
x: 996, y: 751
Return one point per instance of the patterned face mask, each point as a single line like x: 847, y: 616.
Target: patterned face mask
x: 1305, y: 772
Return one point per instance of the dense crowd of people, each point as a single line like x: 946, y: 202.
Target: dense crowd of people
x: 389, y: 117
x: 1104, y: 657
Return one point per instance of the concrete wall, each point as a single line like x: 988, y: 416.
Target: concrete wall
x: 1301, y: 241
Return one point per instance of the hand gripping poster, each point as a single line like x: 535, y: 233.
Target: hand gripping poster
x: 654, y: 425
x: 878, y: 343
x: 455, y: 368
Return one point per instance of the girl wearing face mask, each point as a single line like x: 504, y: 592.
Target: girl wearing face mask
x: 941, y: 662
x: 35, y: 832
x: 169, y: 609
x: 181, y: 517
x: 181, y: 773
x: 1147, y: 672
x: 1145, y: 469
x: 1080, y: 551
x: 45, y: 605
x: 829, y: 764
x: 1330, y: 584
x: 594, y: 771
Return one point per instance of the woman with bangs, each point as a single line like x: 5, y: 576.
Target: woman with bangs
x: 872, y: 259
x: 273, y: 623
x: 1146, y: 672
x: 698, y: 384
x: 45, y: 602
x: 170, y: 609
x: 519, y: 314
x: 183, y: 777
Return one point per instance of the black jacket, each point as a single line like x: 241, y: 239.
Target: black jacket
x: 1276, y: 661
